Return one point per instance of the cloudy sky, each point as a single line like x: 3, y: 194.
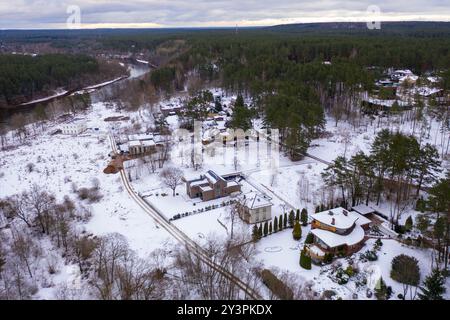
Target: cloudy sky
x: 205, y: 13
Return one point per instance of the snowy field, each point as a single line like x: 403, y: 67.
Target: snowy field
x: 62, y: 162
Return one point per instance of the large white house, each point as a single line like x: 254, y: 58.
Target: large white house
x: 255, y: 208
x: 74, y: 126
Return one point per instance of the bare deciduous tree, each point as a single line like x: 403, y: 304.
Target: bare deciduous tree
x: 171, y: 177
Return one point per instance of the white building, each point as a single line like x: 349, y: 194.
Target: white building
x: 74, y: 126
x: 256, y: 208
x: 138, y: 144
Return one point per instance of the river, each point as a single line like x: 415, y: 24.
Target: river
x: 136, y: 71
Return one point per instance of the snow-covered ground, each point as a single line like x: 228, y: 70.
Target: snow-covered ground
x: 281, y: 251
x: 61, y: 161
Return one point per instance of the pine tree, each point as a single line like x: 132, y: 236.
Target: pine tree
x: 255, y: 233
x: 305, y: 260
x: 409, y: 224
x: 434, y: 286
x: 317, y: 209
x: 266, y: 229
x: 270, y: 227
x: 297, y: 215
x: 260, y: 230
x: 291, y: 218
x: 285, y: 220
x: 297, y: 232
x: 275, y: 224
x: 426, y: 165
x: 280, y: 223
x: 304, y: 217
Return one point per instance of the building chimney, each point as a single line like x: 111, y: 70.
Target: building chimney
x: 333, y: 222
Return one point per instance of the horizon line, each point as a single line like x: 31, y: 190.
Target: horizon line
x: 214, y: 27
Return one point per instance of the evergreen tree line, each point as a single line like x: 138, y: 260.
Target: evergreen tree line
x: 396, y: 164
x: 284, y: 221
x: 26, y: 75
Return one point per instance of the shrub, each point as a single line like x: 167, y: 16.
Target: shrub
x: 370, y: 255
x: 30, y: 167
x: 297, y: 232
x: 90, y: 194
x: 350, y: 271
x: 379, y: 243
x: 328, y: 258
x: 342, y: 277
x: 304, y: 217
x: 408, y: 224
x: 400, y: 229
x: 305, y: 260
x: 421, y: 205
x: 309, y: 238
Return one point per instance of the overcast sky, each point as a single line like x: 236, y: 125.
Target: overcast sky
x: 206, y: 13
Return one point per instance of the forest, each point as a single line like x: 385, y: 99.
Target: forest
x: 293, y: 78
x: 25, y: 77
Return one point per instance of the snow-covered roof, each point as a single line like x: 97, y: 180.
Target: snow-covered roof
x: 363, y: 209
x: 171, y: 107
x: 426, y: 91
x: 386, y: 103
x: 410, y: 78
x: 205, y: 188
x: 148, y: 143
x: 403, y: 71
x: 198, y: 182
x: 124, y: 147
x: 140, y: 136
x: 316, y: 250
x: 134, y: 143
x: 333, y: 240
x: 433, y: 79
x: 341, y: 218
x: 213, y: 177
x: 255, y: 200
